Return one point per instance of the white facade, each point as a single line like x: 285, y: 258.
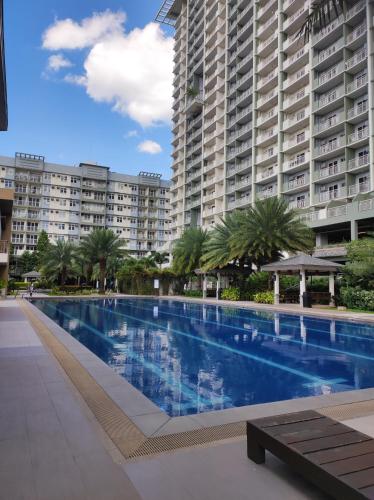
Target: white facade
x: 68, y: 202
x: 259, y: 112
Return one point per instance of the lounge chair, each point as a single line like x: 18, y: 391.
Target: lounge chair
x: 333, y: 456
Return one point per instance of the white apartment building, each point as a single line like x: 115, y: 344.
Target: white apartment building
x: 68, y: 202
x: 259, y: 112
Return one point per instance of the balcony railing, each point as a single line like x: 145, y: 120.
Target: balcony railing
x: 295, y: 183
x: 360, y: 161
x: 332, y: 194
x: 330, y: 146
x: 354, y: 189
x: 329, y: 97
x: 358, y: 135
x: 298, y: 161
x: 356, y: 33
x: 327, y: 171
x: 357, y: 83
x: 269, y: 172
x: 359, y: 56
x: 326, y: 124
x: 297, y: 204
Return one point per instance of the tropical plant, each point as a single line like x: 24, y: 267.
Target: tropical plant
x: 230, y: 294
x: 98, y: 247
x: 192, y: 91
x: 134, y: 273
x: 28, y: 261
x: 58, y: 261
x: 359, y: 271
x: 321, y: 14
x: 160, y: 258
x: 188, y: 250
x: 269, y: 228
x: 42, y: 247
x: 218, y: 249
x: 264, y: 297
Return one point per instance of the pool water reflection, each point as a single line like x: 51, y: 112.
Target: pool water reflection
x: 191, y: 358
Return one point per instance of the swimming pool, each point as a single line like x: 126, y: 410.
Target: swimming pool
x: 191, y: 358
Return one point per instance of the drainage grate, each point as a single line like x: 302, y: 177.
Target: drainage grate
x: 191, y: 438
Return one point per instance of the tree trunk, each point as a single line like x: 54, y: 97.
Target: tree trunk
x: 63, y: 276
x: 102, y: 267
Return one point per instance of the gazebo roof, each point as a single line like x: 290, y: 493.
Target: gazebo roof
x: 31, y: 274
x: 302, y: 262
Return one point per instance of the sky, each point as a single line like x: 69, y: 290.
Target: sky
x: 89, y: 80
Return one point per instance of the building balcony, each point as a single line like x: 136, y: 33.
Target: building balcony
x: 354, y: 189
x: 296, y: 163
x: 357, y: 110
x: 332, y: 50
x: 328, y: 171
x: 356, y: 84
x: 358, y: 57
x: 332, y: 194
x: 329, y: 75
x: 328, y: 98
x: 296, y: 17
x: 267, y: 193
x: 358, y: 162
x: 356, y: 33
x: 329, y: 147
x: 326, y: 124
x: 267, y: 174
x: 358, y: 135
x: 297, y: 183
x: 325, y: 32
x: 291, y: 61
x: 264, y: 28
x: 299, y: 204
x: 266, y: 45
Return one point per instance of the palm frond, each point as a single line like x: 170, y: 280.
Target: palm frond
x: 321, y: 14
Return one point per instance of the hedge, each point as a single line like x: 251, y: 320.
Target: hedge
x: 264, y: 297
x: 230, y: 294
x: 355, y: 298
x: 193, y: 293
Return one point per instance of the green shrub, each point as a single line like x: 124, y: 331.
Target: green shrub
x: 230, y: 294
x: 355, y: 298
x: 17, y: 285
x: 256, y: 282
x: 193, y: 293
x: 264, y: 297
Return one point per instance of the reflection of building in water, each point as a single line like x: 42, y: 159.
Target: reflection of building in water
x: 150, y: 361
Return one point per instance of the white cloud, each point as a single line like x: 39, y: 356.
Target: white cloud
x: 131, y: 133
x: 58, y: 61
x: 68, y: 34
x: 131, y: 71
x: 150, y: 147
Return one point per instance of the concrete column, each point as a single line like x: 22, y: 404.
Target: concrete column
x: 204, y: 286
x: 332, y: 288
x: 276, y: 288
x: 302, y: 330
x: 321, y: 240
x: 302, y: 285
x: 218, y: 285
x: 354, y: 230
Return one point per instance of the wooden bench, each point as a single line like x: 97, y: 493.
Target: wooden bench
x: 333, y: 456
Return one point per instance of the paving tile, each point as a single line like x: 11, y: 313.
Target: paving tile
x: 16, y: 476
x: 102, y: 480
x: 12, y: 426
x: 150, y: 423
x: 178, y: 424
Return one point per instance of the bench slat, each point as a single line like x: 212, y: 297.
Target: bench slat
x: 350, y: 464
x: 341, y: 452
x: 330, y: 442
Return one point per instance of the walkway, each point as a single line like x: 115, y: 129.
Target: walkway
x: 50, y: 446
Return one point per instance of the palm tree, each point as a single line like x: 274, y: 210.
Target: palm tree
x: 268, y: 228
x: 58, y: 261
x: 218, y: 249
x: 160, y: 258
x: 98, y: 247
x: 188, y: 250
x: 321, y: 14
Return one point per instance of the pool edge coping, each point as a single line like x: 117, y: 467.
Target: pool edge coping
x: 129, y: 399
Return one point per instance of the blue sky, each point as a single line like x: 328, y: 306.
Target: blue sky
x: 58, y: 119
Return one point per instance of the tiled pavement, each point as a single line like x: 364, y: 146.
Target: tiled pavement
x: 50, y: 445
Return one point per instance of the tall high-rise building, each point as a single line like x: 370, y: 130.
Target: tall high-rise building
x: 68, y: 202
x: 261, y: 112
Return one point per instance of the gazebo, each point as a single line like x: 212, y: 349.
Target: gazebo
x: 31, y: 276
x: 303, y: 264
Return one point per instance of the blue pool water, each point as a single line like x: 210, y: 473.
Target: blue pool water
x: 190, y: 358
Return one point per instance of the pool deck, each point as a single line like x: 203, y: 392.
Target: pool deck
x: 54, y: 446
